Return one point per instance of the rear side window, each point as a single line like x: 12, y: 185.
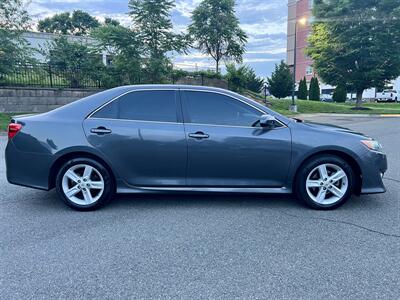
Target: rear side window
x: 157, y: 106
x: 218, y: 109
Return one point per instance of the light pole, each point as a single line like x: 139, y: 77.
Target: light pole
x: 302, y: 21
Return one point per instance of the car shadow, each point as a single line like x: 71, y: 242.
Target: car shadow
x: 159, y: 201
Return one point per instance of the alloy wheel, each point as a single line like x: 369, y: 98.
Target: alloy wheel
x: 327, y: 184
x: 83, y: 184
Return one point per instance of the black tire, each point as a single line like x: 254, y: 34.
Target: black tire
x: 308, y: 166
x: 109, y: 186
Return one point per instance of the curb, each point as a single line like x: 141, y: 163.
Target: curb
x: 350, y: 115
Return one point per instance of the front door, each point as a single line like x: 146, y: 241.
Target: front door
x: 227, y: 148
x: 142, y: 135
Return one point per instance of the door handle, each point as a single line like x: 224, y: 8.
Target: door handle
x: 100, y: 130
x: 199, y: 135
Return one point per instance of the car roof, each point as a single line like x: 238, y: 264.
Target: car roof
x: 173, y: 86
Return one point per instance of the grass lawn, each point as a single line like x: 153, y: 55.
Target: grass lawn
x: 4, y: 121
x: 312, y: 107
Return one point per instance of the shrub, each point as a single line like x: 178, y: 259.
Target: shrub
x: 340, y: 93
x: 303, y: 92
x: 315, y: 93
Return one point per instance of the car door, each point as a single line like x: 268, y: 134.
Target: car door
x: 226, y: 147
x: 141, y: 133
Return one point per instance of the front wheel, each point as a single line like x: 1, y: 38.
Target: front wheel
x: 325, y: 182
x: 84, y: 184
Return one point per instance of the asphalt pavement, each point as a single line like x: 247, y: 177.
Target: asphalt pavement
x: 205, y: 246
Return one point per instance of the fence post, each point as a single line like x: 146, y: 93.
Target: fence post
x: 202, y: 79
x: 51, y: 76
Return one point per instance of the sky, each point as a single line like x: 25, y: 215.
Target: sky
x: 264, y: 21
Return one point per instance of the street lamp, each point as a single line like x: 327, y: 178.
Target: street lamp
x: 302, y: 21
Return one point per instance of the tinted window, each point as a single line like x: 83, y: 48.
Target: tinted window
x: 109, y: 111
x: 142, y: 106
x: 217, y: 109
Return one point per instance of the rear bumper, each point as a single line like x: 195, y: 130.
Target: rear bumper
x: 373, y: 170
x: 27, y: 169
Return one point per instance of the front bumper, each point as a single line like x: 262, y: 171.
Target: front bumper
x: 373, y: 169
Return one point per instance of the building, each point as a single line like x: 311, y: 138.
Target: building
x: 299, y: 16
x: 299, y: 28
x: 41, y: 41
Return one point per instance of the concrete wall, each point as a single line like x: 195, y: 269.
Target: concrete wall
x: 26, y: 100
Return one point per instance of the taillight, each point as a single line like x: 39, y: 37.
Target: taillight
x: 13, y: 129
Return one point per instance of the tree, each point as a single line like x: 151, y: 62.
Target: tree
x: 74, y: 61
x: 216, y: 32
x: 242, y: 78
x: 303, y: 90
x: 315, y: 93
x: 152, y: 23
x: 110, y: 21
x: 79, y: 23
x: 59, y: 23
x: 126, y: 48
x: 253, y: 82
x: 14, y: 20
x: 340, y: 93
x: 356, y: 42
x: 236, y: 77
x: 82, y: 22
x: 280, y: 83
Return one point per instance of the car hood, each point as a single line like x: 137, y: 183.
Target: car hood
x: 332, y: 128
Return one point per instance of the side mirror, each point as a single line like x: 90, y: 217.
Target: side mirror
x: 267, y: 121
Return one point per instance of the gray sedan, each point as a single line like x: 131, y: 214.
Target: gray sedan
x: 171, y: 138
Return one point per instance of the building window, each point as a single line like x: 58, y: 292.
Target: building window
x: 310, y: 4
x: 309, y: 70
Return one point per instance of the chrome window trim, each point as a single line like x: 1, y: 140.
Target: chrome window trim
x: 177, y: 123
x: 141, y: 121
x: 232, y: 126
x: 177, y: 89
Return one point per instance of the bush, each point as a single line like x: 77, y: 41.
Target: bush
x: 242, y: 78
x: 340, y: 93
x: 303, y: 92
x: 315, y: 93
x: 280, y: 83
x: 74, y: 61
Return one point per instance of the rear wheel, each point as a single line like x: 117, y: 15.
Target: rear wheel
x: 84, y: 184
x: 325, y: 182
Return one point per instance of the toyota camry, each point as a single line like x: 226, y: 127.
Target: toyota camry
x: 171, y: 138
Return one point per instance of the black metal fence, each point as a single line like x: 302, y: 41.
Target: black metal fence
x: 46, y: 75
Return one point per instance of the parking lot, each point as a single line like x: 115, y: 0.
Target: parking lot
x: 205, y: 246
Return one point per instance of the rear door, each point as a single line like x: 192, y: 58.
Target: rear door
x: 142, y: 135
x: 226, y: 147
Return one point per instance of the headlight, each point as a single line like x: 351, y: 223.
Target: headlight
x: 372, y: 145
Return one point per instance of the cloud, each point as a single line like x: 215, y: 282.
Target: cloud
x: 123, y: 18
x: 263, y: 21
x: 185, y: 8
x: 272, y: 51
x: 259, y: 60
